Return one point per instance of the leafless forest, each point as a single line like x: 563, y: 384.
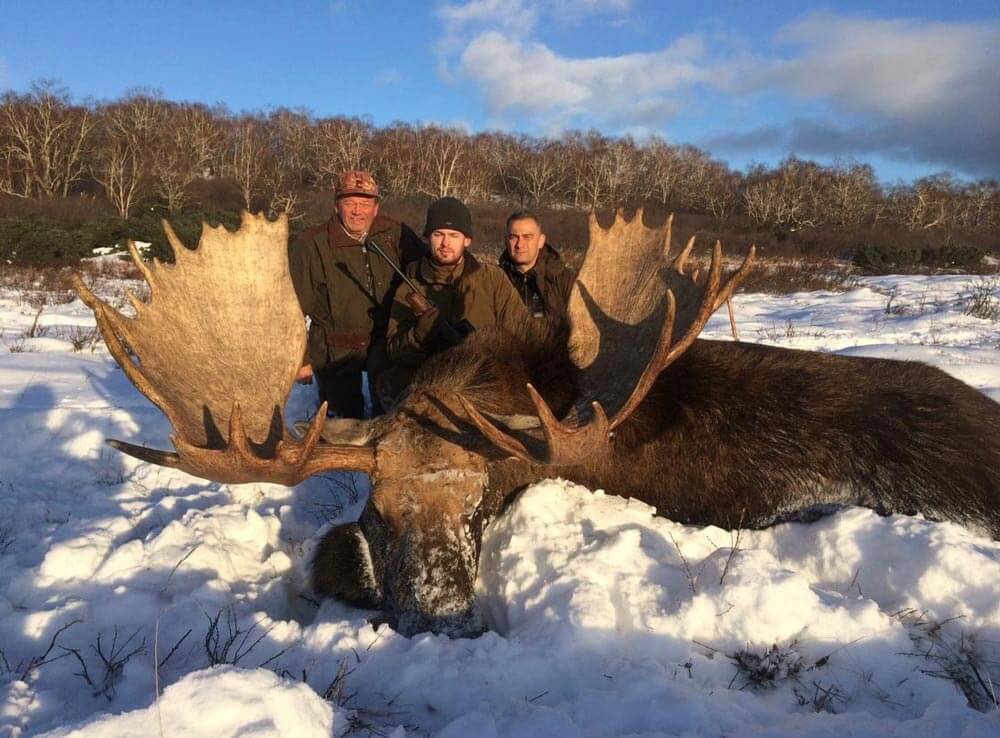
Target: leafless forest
x: 64, y: 159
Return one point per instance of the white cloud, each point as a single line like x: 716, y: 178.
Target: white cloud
x: 922, y: 90
x: 463, y: 20
x: 521, y: 16
x: 909, y: 89
x: 530, y: 77
x: 500, y: 14
x: 889, y: 67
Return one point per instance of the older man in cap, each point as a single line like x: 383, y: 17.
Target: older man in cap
x: 345, y: 286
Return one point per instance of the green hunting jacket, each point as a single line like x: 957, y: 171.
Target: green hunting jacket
x: 346, y: 289
x: 473, y: 291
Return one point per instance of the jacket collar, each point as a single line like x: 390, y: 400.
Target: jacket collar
x: 546, y: 257
x: 433, y: 274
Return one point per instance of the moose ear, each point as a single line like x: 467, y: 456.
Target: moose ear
x: 216, y: 348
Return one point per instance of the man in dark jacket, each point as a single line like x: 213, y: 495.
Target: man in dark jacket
x: 458, y: 294
x: 534, y: 268
x: 346, y: 289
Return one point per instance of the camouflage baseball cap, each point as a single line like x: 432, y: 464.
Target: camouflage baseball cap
x: 355, y: 182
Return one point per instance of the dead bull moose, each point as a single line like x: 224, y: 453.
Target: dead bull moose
x: 626, y: 400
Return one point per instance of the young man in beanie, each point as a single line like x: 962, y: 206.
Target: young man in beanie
x: 458, y: 294
x: 346, y: 290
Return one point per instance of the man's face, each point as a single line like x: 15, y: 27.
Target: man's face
x: 357, y: 213
x: 448, y: 246
x: 524, y: 241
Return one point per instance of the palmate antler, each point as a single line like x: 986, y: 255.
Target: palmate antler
x: 631, y: 316
x: 216, y: 348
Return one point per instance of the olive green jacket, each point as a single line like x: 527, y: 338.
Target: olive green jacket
x: 346, y: 289
x: 472, y: 291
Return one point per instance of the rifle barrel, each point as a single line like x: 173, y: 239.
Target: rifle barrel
x: 378, y: 250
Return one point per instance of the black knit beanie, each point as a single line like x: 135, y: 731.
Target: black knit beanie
x: 448, y: 213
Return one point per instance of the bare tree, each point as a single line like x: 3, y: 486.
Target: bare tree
x: 441, y: 150
x: 852, y: 194
x: 292, y: 133
x: 620, y: 168
x: 340, y: 144
x: 475, y: 178
x: 504, y: 156
x: 662, y: 172
x: 925, y: 205
x: 788, y: 196
x: 128, y: 134
x: 543, y: 174
x: 188, y: 141
x: 977, y: 205
x: 396, y: 159
x: 290, y: 161
x: 246, y: 156
x: 42, y: 142
x: 587, y: 178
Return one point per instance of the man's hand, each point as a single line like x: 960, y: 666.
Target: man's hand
x: 427, y: 325
x: 305, y: 374
x: 418, y: 303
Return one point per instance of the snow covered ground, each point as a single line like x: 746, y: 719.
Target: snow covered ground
x: 136, y: 601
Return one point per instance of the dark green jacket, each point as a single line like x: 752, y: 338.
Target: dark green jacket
x: 544, y: 289
x: 346, y: 289
x: 473, y: 291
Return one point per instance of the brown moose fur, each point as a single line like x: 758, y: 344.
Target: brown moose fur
x: 745, y: 432
x: 731, y: 434
x: 344, y: 548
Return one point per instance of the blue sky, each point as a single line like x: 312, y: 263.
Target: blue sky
x: 913, y: 88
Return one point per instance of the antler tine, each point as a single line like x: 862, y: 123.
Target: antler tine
x: 564, y: 444
x: 238, y: 440
x: 736, y: 279
x: 139, y: 263
x: 237, y: 463
x: 114, y: 328
x: 571, y: 444
x: 316, y: 429
x: 706, y: 308
x: 681, y: 261
x: 176, y: 245
x: 150, y: 455
x: 494, y: 435
x: 668, y: 237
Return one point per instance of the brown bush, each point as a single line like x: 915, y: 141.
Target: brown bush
x: 782, y: 277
